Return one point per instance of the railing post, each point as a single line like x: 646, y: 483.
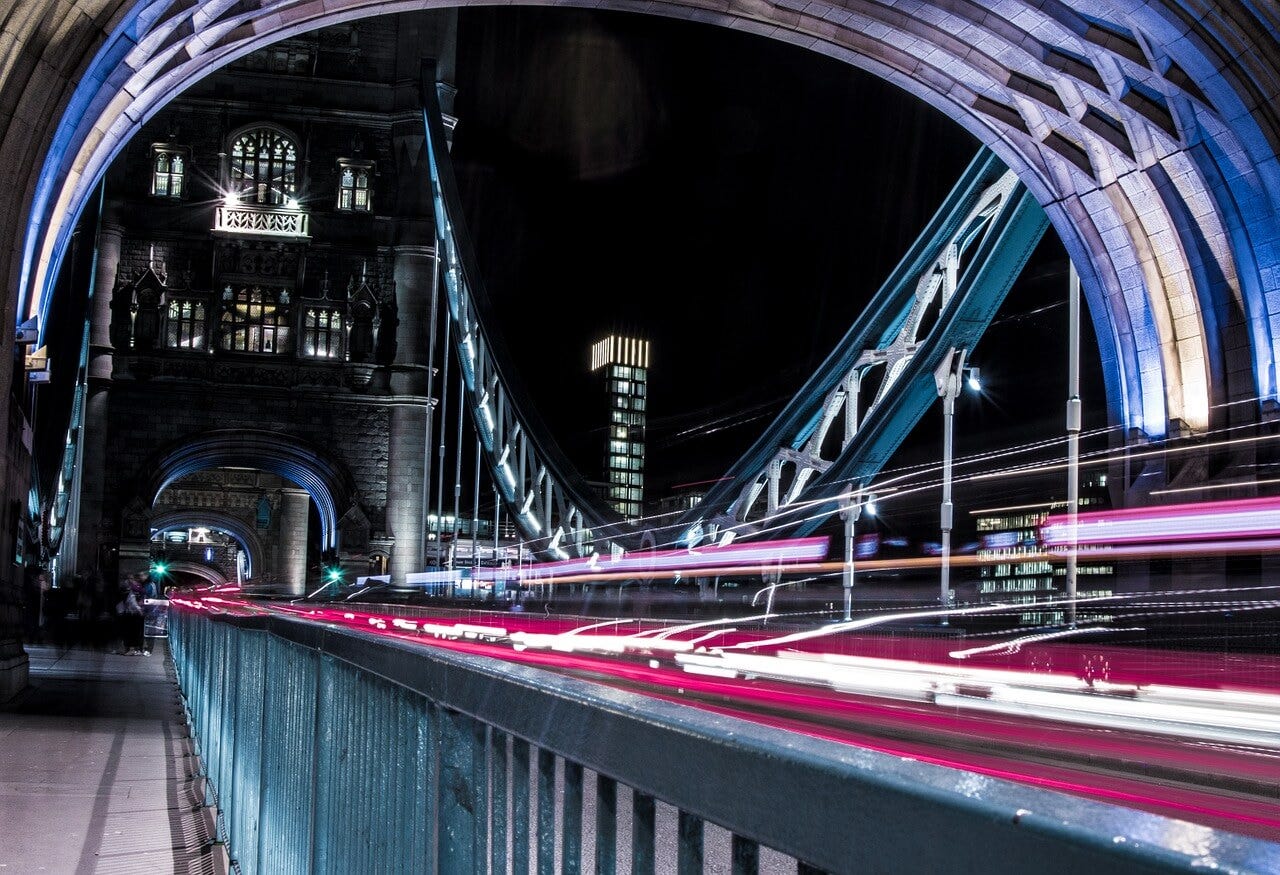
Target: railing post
x: 606, y: 825
x: 571, y: 821
x: 642, y: 822
x: 746, y: 856
x: 689, y: 859
x: 457, y: 794
x: 519, y: 806
x: 546, y: 812
x: 498, y: 762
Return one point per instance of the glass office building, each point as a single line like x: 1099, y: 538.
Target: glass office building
x: 624, y: 362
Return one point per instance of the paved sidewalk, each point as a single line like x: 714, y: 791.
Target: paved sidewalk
x: 96, y: 770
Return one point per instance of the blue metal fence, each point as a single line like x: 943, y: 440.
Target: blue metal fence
x: 327, y: 750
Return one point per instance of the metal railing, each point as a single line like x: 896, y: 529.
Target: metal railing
x: 328, y: 750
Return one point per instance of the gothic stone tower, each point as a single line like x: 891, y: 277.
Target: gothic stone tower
x: 261, y: 306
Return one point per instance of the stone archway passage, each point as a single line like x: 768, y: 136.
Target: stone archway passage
x: 203, y: 572
x: 1146, y: 128
x: 325, y: 481
x: 244, y: 534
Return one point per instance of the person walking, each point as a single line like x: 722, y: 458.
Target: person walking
x: 130, y: 612
x: 152, y: 614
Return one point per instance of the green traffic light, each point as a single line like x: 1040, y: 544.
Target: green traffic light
x: 334, y: 574
x: 159, y: 568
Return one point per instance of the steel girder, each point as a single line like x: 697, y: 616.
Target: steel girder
x: 553, y: 508
x: 956, y: 274
x: 827, y: 443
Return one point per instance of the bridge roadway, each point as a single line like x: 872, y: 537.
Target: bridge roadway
x: 1150, y: 730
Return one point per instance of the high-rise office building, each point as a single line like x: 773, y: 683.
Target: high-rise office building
x: 625, y: 364
x: 1015, y: 572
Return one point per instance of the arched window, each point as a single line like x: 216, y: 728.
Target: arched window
x: 264, y: 167
x: 168, y: 171
x: 255, y: 319
x: 355, y: 186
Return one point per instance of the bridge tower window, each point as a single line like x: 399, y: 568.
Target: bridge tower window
x: 264, y: 167
x: 169, y: 171
x: 185, y: 324
x: 322, y: 332
x: 255, y: 319
x: 355, y: 194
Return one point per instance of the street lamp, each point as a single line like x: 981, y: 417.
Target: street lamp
x: 949, y: 377
x: 852, y: 511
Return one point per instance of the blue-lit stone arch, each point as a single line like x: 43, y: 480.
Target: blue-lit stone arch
x: 237, y: 528
x: 209, y: 575
x: 326, y: 480
x: 1145, y: 128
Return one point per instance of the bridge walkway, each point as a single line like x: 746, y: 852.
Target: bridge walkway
x: 97, y: 770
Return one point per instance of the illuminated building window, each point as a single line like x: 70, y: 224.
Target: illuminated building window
x: 184, y: 326
x: 355, y: 186
x: 169, y: 171
x: 322, y: 332
x: 255, y: 320
x: 264, y: 167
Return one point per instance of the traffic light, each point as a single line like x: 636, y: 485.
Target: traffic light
x: 330, y: 567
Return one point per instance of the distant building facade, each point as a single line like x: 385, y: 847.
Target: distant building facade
x: 1011, y: 572
x: 624, y: 364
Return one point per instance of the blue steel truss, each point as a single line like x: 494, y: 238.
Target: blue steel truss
x: 553, y: 508
x: 827, y: 443
x: 940, y: 298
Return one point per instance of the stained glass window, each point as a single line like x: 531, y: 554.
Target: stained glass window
x: 185, y: 324
x: 168, y: 172
x: 354, y: 186
x: 255, y: 319
x: 322, y: 332
x: 264, y: 167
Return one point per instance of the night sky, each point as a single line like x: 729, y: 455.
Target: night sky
x: 735, y: 200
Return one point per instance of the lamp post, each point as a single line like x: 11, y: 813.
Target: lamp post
x: 949, y: 377
x: 1073, y: 438
x: 850, y: 515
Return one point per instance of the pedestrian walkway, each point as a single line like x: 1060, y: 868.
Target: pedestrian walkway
x: 97, y: 770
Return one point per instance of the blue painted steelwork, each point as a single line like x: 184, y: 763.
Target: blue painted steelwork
x: 963, y: 265
x: 554, y: 509
x: 328, y: 750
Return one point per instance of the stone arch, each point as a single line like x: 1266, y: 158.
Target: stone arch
x: 324, y: 478
x: 197, y: 570
x: 236, y: 528
x: 1144, y: 127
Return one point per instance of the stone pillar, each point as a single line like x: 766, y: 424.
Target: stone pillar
x: 406, y: 512
x: 14, y: 465
x: 291, y: 566
x: 407, y: 440
x: 412, y: 272
x: 93, y: 471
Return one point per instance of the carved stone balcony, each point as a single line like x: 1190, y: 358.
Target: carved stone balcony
x: 261, y: 221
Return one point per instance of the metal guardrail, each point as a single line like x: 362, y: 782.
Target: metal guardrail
x: 333, y: 751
